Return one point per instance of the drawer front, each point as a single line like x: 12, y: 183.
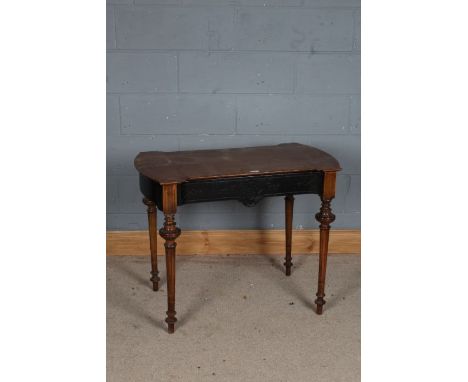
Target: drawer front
x: 250, y: 189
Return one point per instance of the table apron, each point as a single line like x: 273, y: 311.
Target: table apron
x: 247, y: 189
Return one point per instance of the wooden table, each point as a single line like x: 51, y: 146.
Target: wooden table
x: 171, y: 179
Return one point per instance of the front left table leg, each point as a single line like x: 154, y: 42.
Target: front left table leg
x: 170, y: 233
x: 153, y: 237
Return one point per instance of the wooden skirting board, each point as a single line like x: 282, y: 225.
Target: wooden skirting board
x: 235, y: 242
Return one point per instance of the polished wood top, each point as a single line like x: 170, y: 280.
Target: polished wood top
x: 180, y: 166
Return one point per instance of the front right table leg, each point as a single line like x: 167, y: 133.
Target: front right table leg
x: 325, y: 217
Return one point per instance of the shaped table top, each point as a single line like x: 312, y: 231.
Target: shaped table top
x: 180, y: 166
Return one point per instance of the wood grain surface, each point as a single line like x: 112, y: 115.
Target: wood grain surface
x: 240, y: 242
x: 180, y: 166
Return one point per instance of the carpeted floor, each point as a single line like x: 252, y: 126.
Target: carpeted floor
x: 240, y: 319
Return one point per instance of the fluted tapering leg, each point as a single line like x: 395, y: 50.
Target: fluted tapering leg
x: 289, y: 205
x: 325, y: 217
x: 170, y: 233
x: 153, y: 237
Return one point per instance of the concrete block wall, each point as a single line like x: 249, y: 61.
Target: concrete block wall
x: 196, y: 74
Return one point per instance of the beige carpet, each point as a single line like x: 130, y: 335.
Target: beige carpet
x: 240, y: 319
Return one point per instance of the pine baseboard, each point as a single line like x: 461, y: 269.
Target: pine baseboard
x: 236, y: 242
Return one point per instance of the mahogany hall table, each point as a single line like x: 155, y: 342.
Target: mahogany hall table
x: 171, y: 179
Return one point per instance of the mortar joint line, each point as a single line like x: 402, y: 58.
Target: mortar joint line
x: 115, y: 26
x: 120, y: 115
x: 178, y: 72
x: 236, y: 114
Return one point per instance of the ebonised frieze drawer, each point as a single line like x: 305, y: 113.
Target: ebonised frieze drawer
x: 250, y: 190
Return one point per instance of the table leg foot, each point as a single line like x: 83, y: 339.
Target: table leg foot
x: 320, y: 302
x: 171, y: 320
x: 155, y: 280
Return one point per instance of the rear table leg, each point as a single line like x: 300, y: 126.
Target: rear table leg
x: 153, y: 237
x: 289, y: 205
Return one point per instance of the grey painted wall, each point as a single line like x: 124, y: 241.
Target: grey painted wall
x: 190, y: 74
